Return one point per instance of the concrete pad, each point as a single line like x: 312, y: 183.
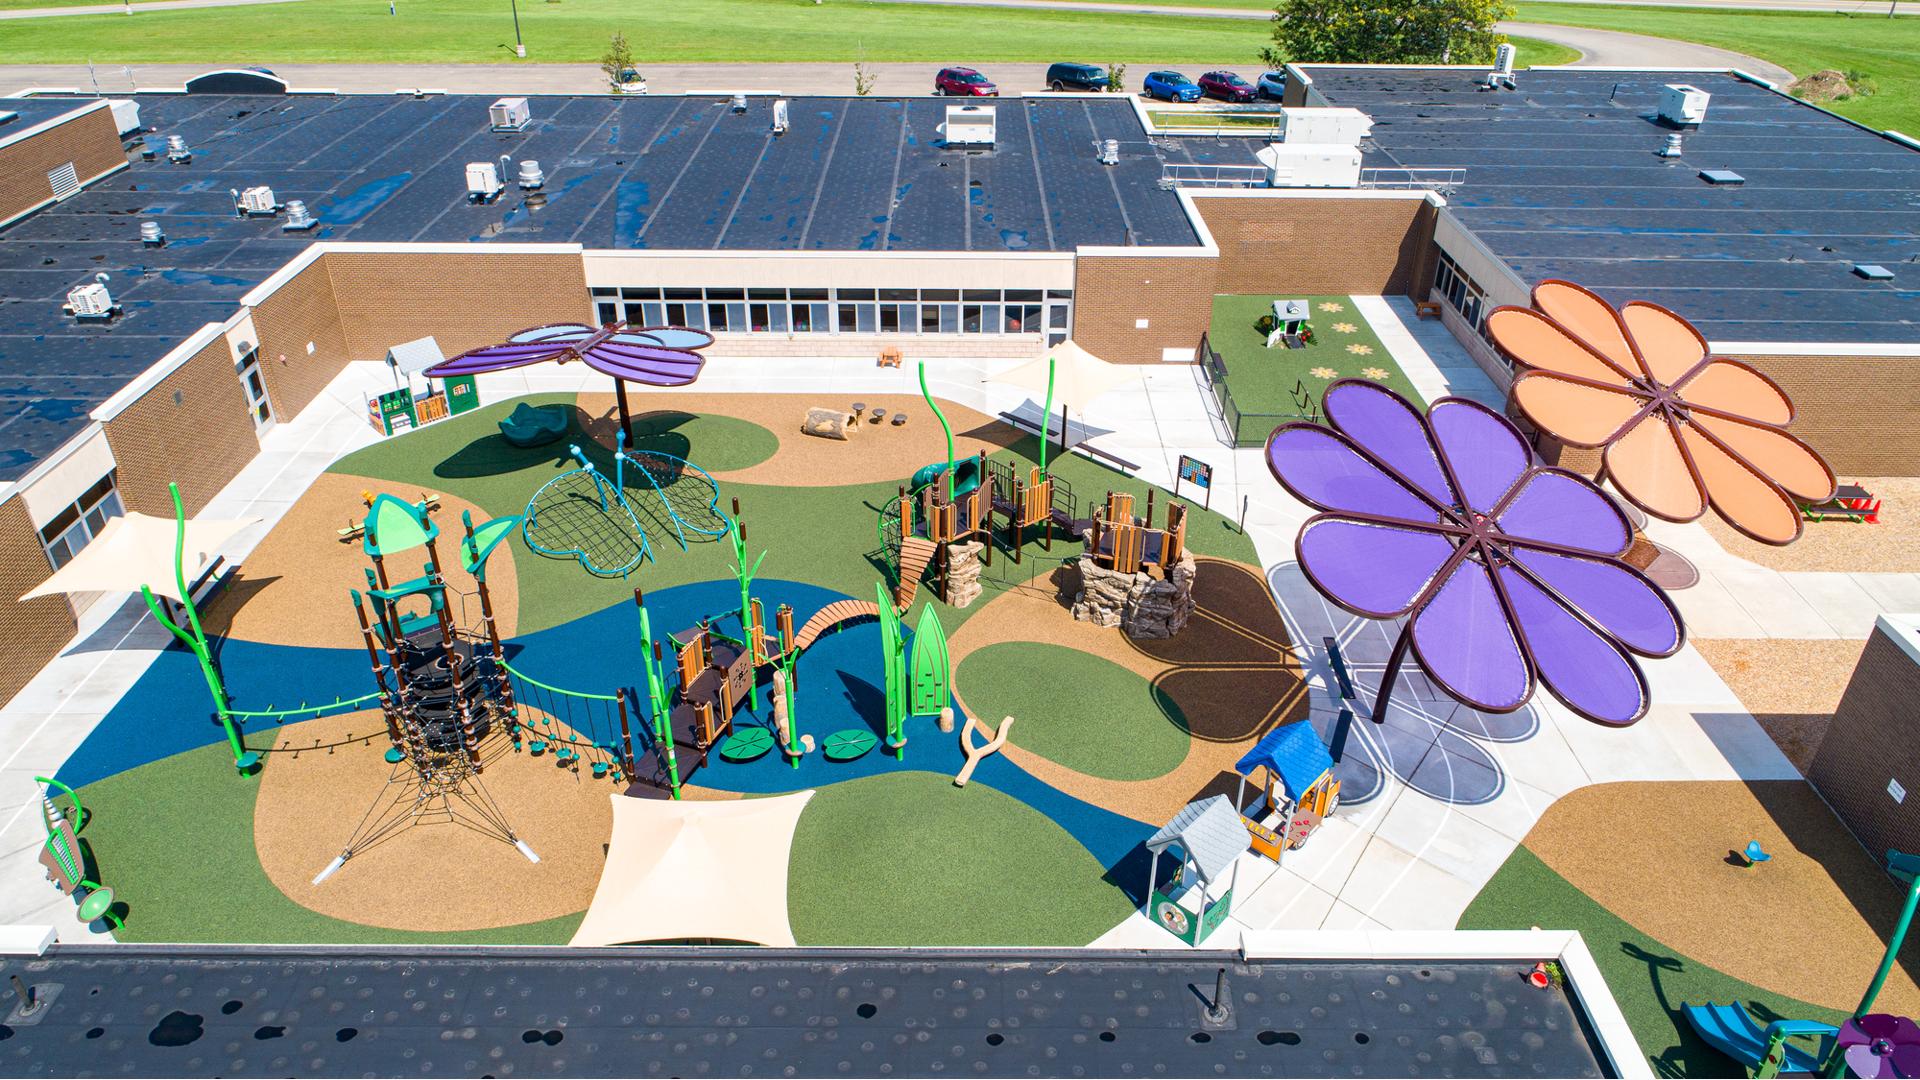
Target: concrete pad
x: 1442, y: 836
x: 1403, y: 892
x: 1284, y: 902
x: 1710, y: 611
x: 1840, y: 599
x: 1894, y: 593
x: 1780, y: 611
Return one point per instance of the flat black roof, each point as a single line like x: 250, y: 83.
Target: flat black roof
x: 259, y: 1011
x: 850, y: 174
x: 1563, y: 180
x: 30, y: 111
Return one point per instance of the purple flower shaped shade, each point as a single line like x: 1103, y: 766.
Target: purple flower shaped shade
x: 1508, y: 570
x: 643, y: 356
x: 1881, y: 1044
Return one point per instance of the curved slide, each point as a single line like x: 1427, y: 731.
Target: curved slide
x: 1731, y: 1030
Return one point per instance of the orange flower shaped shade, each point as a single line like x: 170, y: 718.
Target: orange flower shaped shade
x: 1679, y: 428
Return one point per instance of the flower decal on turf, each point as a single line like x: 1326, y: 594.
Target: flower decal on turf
x: 1345, y: 327
x: 1358, y: 349
x: 1330, y: 306
x: 1680, y: 429
x: 1508, y: 571
x: 1324, y: 372
x: 1376, y: 373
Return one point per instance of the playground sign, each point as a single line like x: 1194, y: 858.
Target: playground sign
x: 1198, y: 473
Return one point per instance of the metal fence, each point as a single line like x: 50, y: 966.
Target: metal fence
x: 1249, y: 428
x: 1175, y: 174
x: 1443, y: 181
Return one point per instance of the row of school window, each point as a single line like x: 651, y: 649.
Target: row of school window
x: 842, y: 311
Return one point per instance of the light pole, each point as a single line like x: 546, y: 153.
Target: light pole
x: 519, y: 49
x: 1907, y: 867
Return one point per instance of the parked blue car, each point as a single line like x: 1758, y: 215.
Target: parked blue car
x: 1171, y: 86
x: 1271, y: 85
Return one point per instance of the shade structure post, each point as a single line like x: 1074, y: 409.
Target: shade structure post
x: 194, y: 637
x: 1836, y: 1063
x: 944, y: 426
x: 1046, y: 411
x: 620, y: 399
x: 1392, y: 674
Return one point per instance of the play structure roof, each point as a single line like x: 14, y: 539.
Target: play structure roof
x: 656, y: 356
x: 1209, y: 831
x: 137, y: 549
x: 413, y: 357
x: 1509, y: 572
x: 679, y: 870
x: 1562, y: 180
x: 1293, y: 753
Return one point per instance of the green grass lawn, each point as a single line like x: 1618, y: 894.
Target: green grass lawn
x: 1263, y: 382
x: 1882, y: 49
x: 1082, y: 711
x: 1648, y: 979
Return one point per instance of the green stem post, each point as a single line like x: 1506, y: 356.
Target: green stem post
x: 944, y: 426
x: 657, y: 698
x: 1836, y: 1064
x: 1046, y: 419
x: 193, y: 636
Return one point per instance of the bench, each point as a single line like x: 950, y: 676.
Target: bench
x: 1426, y: 309
x: 1850, y: 502
x: 890, y: 356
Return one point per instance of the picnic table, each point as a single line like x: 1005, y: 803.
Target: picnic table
x: 1850, y: 502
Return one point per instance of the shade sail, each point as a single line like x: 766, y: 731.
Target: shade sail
x: 1078, y: 376
x: 679, y: 870
x: 642, y: 356
x: 135, y: 550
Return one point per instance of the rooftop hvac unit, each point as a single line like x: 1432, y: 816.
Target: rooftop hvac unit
x: 737, y: 103
x: 969, y: 125
x: 510, y: 114
x: 1310, y: 165
x: 483, y: 182
x: 1503, y: 58
x: 91, y: 301
x: 1300, y: 124
x: 255, y: 202
x: 780, y: 117
x: 1682, y: 105
x: 298, y: 220
x: 177, y: 151
x: 1110, y: 151
x: 126, y: 114
x: 151, y: 235
x: 531, y: 178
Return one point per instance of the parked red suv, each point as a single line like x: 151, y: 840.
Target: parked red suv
x: 963, y: 82
x: 1227, y: 86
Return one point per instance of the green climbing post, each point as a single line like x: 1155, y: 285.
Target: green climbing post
x: 894, y: 657
x: 657, y: 703
x: 737, y: 532
x: 194, y: 637
x: 1906, y: 866
x: 944, y: 426
x: 1046, y: 418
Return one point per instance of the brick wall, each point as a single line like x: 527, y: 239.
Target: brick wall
x: 462, y: 300
x: 192, y: 429
x: 1870, y: 741
x: 34, y: 630
x: 1858, y: 411
x: 91, y: 142
x: 301, y: 311
x: 1267, y: 245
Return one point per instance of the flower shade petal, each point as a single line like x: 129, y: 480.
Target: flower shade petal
x: 559, y: 331
x: 1588, y: 318
x: 1483, y: 448
x: 1560, y: 508
x: 1669, y: 345
x: 1625, y: 604
x: 1377, y: 570
x: 1327, y: 473
x: 1746, y: 499
x: 1573, y: 412
x: 1733, y: 387
x: 1785, y: 460
x: 1467, y: 644
x: 1536, y: 341
x: 1391, y: 429
x: 1582, y: 668
x: 1645, y: 464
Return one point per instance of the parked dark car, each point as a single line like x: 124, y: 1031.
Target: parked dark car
x: 1271, y: 85
x: 1170, y: 86
x: 964, y: 82
x: 1226, y: 85
x: 1070, y: 76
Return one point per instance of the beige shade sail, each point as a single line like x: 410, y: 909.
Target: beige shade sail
x: 679, y: 870
x: 1078, y: 376
x: 137, y: 549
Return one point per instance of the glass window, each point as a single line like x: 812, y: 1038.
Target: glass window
x: 717, y: 318
x: 759, y: 318
x: 609, y: 313
x: 899, y: 294
x: 970, y: 319
x: 777, y: 319
x: 683, y: 294
x: 653, y: 314
x: 939, y: 294
x: 76, y: 526
x: 726, y: 294
x: 949, y: 318
x: 1023, y: 294
x: 1059, y: 294
x: 640, y: 294
x: 803, y: 319
x: 869, y: 317
x: 1057, y: 316
x: 980, y: 294
x: 930, y: 318
x: 1023, y: 318
x: 847, y: 322
x: 816, y: 317
x: 637, y: 314
x: 766, y: 294
x: 736, y: 317
x: 600, y: 291
x: 889, y: 318
x: 808, y: 294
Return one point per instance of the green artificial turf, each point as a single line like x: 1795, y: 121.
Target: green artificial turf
x: 1867, y: 43
x: 1082, y: 711
x: 909, y: 859
x: 1263, y: 382
x: 1648, y: 979
x: 576, y: 31
x: 174, y: 839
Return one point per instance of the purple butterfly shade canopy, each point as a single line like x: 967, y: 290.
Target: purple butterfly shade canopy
x: 1507, y: 571
x: 652, y: 355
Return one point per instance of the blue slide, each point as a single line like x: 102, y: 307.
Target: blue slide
x: 1730, y: 1030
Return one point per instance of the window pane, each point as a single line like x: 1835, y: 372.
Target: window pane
x: 766, y: 294
x: 847, y: 319
x: 929, y: 318
x: 683, y: 294
x: 980, y: 294
x: 802, y: 319
x: 737, y: 316
x: 777, y: 318
x: 758, y: 316
x: 889, y: 318
x: 1059, y: 294
x: 640, y: 294
x: 990, y: 318
x: 949, y: 318
x: 609, y: 313
x: 971, y: 323
x: 58, y: 554
x: 599, y: 290
x: 653, y: 314
x: 856, y: 294
x: 817, y: 313
x: 1023, y: 294
x: 1057, y: 317
x: 898, y: 294
x: 939, y: 294
x: 637, y: 314
x: 808, y: 294
x: 726, y: 294
x: 717, y: 317
x: 51, y: 530
x: 95, y: 522
x: 868, y: 317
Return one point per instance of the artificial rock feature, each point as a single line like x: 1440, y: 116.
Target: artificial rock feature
x: 1141, y: 605
x: 963, y: 574
x: 829, y: 424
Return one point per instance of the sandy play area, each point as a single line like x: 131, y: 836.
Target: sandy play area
x: 1791, y: 686
x: 1892, y: 545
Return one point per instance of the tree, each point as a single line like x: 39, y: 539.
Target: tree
x: 1386, y: 31
x: 1116, y: 78
x: 617, y: 60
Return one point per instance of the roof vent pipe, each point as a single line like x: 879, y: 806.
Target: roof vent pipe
x: 780, y: 117
x: 150, y: 234
x: 1503, y: 58
x: 298, y: 220
x: 1672, y: 148
x: 738, y: 104
x: 531, y: 178
x: 177, y: 151
x: 1110, y: 152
